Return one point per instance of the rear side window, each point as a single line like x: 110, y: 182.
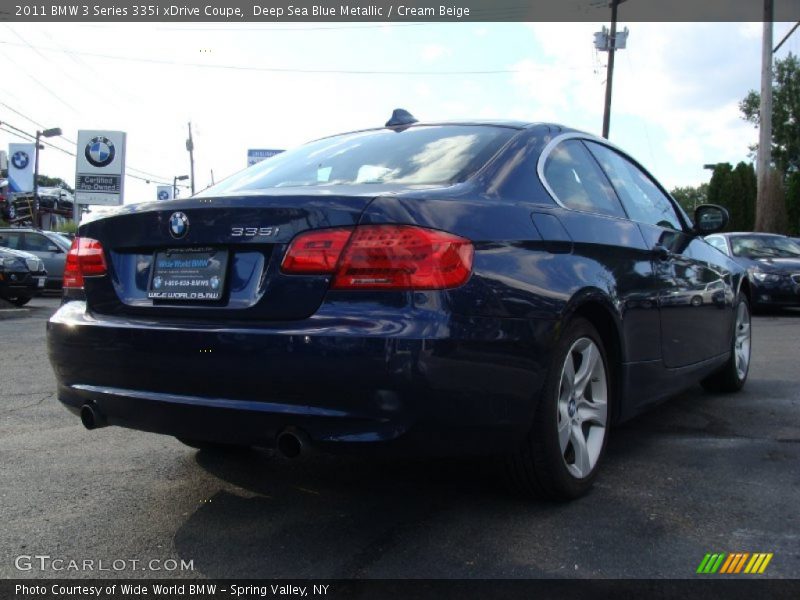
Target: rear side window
x: 643, y: 200
x: 577, y: 181
x: 33, y: 242
x: 417, y: 155
x: 10, y: 240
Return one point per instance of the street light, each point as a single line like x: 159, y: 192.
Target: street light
x: 53, y: 132
x: 175, y: 181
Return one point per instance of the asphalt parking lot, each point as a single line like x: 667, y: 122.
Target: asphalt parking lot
x: 701, y: 473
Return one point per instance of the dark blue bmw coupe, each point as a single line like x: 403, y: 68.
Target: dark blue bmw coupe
x: 497, y: 288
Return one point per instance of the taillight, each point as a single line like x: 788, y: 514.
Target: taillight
x: 315, y: 252
x: 84, y: 259
x: 390, y: 257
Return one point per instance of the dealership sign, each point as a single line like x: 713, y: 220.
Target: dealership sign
x: 164, y: 192
x: 20, y: 167
x: 256, y: 156
x: 100, y: 167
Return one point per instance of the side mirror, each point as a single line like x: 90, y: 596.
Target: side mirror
x: 710, y: 218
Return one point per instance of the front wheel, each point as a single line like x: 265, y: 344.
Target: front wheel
x: 560, y: 457
x: 20, y: 300
x: 733, y: 374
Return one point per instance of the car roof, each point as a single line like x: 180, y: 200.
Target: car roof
x: 505, y: 123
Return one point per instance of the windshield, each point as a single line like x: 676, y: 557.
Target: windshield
x: 416, y: 156
x: 764, y: 246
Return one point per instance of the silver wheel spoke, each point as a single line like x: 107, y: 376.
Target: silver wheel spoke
x: 564, y: 433
x: 579, y: 447
x: 568, y: 378
x: 584, y: 375
x: 593, y: 412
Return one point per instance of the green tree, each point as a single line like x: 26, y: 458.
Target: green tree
x: 690, y: 197
x: 735, y: 189
x: 785, y: 113
x: 785, y: 130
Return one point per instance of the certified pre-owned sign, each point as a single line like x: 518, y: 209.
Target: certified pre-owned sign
x: 100, y: 167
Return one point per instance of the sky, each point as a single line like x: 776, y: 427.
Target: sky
x: 675, y: 104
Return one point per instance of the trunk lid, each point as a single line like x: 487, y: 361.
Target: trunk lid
x: 248, y: 235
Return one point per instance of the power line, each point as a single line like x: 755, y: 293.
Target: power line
x: 291, y: 70
x: 20, y: 132
x: 152, y: 175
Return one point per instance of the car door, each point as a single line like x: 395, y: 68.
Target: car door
x: 52, y: 256
x: 692, y: 330
x: 610, y: 246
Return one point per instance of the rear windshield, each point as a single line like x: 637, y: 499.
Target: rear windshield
x: 417, y: 156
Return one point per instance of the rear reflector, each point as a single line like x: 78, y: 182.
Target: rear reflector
x: 84, y: 259
x: 386, y: 257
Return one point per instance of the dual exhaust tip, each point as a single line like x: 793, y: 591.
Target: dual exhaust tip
x: 290, y: 443
x: 92, y: 418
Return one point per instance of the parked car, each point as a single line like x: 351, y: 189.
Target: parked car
x: 772, y: 263
x: 49, y: 246
x: 22, y: 275
x: 436, y: 289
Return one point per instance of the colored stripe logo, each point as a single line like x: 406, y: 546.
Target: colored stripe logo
x: 734, y: 563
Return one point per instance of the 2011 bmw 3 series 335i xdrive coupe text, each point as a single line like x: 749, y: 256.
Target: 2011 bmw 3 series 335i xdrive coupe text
x: 495, y: 288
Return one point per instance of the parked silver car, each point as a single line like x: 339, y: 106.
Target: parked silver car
x: 49, y: 246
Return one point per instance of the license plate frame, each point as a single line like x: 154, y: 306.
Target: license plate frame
x: 188, y: 275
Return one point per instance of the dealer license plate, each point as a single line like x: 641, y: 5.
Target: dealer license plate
x: 188, y: 274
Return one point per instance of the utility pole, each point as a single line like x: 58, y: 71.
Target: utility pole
x: 35, y: 207
x: 610, y: 69
x: 766, y: 210
x: 190, y: 148
x: 610, y: 41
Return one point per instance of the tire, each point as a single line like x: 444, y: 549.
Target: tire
x: 20, y: 300
x: 211, y: 446
x: 732, y: 376
x: 547, y: 465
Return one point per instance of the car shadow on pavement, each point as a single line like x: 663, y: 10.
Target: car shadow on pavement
x: 332, y: 516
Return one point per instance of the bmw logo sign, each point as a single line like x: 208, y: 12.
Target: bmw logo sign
x: 163, y: 195
x: 20, y: 159
x: 178, y: 225
x: 99, y: 151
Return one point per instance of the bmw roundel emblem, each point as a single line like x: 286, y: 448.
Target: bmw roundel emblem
x: 20, y: 159
x: 163, y: 195
x: 178, y: 225
x: 100, y: 151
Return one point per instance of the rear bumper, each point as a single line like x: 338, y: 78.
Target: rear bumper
x: 465, y: 386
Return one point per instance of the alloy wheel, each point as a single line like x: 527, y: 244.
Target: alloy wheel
x: 582, y: 407
x: 742, y: 340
